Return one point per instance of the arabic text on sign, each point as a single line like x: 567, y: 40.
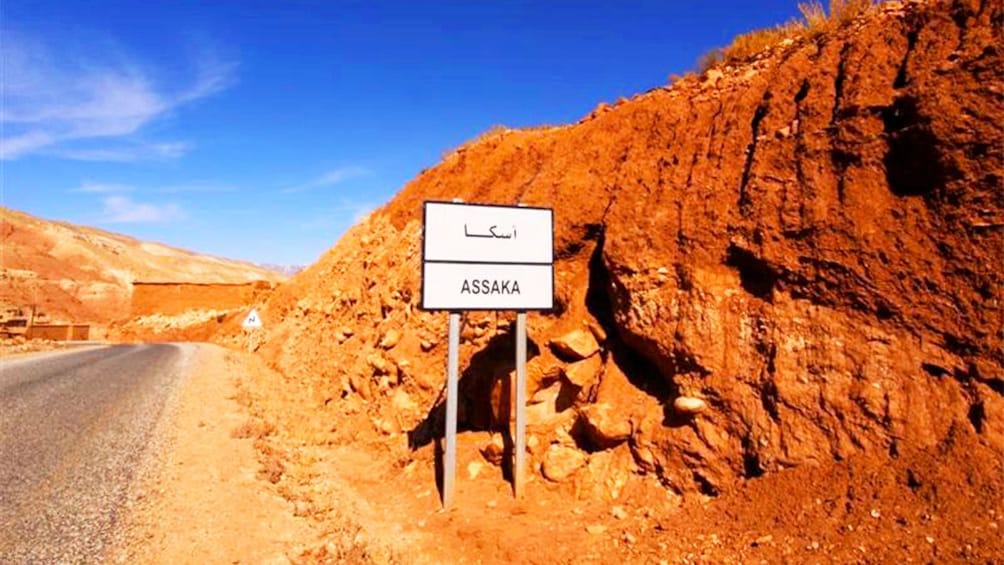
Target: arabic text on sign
x: 493, y: 233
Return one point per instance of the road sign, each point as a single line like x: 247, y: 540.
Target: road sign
x: 486, y: 257
x: 253, y: 321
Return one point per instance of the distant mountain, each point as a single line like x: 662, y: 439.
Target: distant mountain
x: 78, y: 273
x: 285, y: 270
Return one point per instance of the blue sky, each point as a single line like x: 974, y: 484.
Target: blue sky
x: 262, y: 130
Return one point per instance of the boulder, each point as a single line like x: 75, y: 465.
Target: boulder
x: 561, y: 462
x: 604, y: 427
x: 689, y: 405
x: 542, y: 371
x: 583, y: 373
x: 576, y: 344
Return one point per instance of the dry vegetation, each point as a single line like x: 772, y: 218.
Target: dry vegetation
x: 497, y: 130
x: 253, y: 428
x: 815, y: 21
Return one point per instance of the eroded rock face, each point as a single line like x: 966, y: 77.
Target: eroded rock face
x: 810, y: 244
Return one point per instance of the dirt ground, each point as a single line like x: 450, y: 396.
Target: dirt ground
x: 363, y: 495
x: 203, y: 501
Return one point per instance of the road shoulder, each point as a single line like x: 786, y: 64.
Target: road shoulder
x: 201, y: 499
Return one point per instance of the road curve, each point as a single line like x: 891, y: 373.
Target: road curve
x: 74, y: 429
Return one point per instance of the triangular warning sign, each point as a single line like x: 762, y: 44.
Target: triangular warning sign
x: 253, y: 321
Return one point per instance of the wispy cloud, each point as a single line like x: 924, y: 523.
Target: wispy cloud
x: 91, y: 187
x: 330, y: 178
x: 202, y: 187
x: 102, y: 188
x: 123, y: 210
x: 54, y: 103
x: 126, y: 153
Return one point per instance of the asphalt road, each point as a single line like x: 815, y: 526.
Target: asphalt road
x: 74, y: 431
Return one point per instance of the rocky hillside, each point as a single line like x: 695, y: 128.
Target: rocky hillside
x: 76, y: 273
x: 789, y: 261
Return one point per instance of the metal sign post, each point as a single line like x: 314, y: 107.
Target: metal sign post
x: 519, y: 465
x: 452, y: 378
x: 486, y: 257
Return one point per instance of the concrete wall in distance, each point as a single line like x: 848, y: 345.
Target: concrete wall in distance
x: 59, y: 332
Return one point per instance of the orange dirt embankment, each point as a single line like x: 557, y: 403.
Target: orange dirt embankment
x: 188, y: 311
x: 171, y: 299
x: 809, y: 243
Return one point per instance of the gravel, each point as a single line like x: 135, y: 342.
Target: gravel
x: 75, y: 429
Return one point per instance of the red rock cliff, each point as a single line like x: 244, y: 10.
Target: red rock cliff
x: 810, y: 243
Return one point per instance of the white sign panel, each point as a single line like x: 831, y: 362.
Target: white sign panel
x: 490, y: 234
x: 469, y: 286
x: 253, y: 321
x: 486, y: 257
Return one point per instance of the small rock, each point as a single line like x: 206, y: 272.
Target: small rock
x: 762, y: 540
x: 576, y: 344
x: 596, y: 529
x: 388, y: 426
x: 474, y: 468
x: 875, y: 513
x: 618, y: 512
x: 390, y: 339
x: 494, y: 450
x: 427, y: 345
x: 402, y: 402
x: 784, y: 132
x: 532, y: 443
x: 378, y: 363
x: 361, y: 384
x: 561, y: 462
x: 689, y: 405
x: 713, y: 76
x: 347, y: 331
x: 928, y: 539
x: 628, y: 538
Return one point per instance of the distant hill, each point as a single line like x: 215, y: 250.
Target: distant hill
x: 80, y: 273
x: 286, y: 270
